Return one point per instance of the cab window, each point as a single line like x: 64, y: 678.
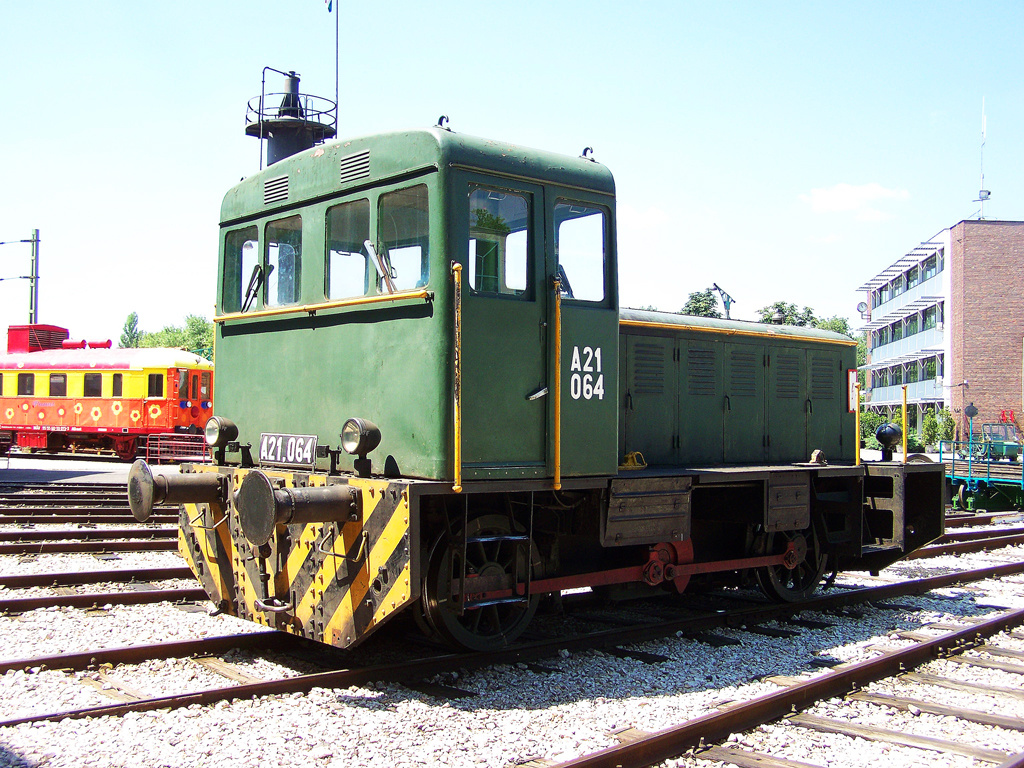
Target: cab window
x: 348, y: 270
x: 403, y: 228
x: 498, y: 242
x: 580, y: 250
x: 116, y: 389
x: 182, y: 384
x: 93, y: 386
x: 58, y: 385
x: 241, y: 255
x: 156, y: 385
x: 284, y: 261
x: 204, y: 385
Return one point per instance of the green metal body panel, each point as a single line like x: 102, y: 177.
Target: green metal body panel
x: 703, y: 391
x: 307, y: 366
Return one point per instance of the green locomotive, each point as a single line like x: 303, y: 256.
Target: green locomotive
x: 428, y: 394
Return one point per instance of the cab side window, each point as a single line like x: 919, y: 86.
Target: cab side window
x: 93, y: 386
x: 156, y: 385
x: 58, y: 385
x: 26, y: 384
x: 241, y: 255
x: 284, y: 261
x: 403, y: 231
x: 349, y: 270
x: 117, y: 387
x: 498, y: 242
x: 580, y: 250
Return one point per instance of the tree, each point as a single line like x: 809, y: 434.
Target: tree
x: 131, y: 336
x: 835, y: 324
x: 789, y: 312
x: 701, y: 304
x: 195, y: 336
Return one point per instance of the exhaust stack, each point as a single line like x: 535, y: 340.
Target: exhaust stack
x: 298, y: 122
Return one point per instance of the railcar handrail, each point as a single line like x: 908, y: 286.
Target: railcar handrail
x: 312, y: 309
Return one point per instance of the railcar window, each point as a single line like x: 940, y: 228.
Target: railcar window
x: 195, y: 386
x: 498, y: 242
x: 348, y: 264
x: 26, y: 384
x: 1, y: 385
x: 58, y: 385
x: 284, y: 261
x: 403, y: 228
x: 182, y: 383
x: 117, y: 386
x: 156, y: 385
x: 241, y: 255
x: 93, y: 385
x: 580, y: 250
x: 204, y: 385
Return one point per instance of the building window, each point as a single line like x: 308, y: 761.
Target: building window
x: 116, y: 389
x: 914, y: 277
x: 899, y: 285
x: 930, y: 368
x: 93, y: 385
x: 156, y: 385
x: 897, y: 375
x: 58, y: 385
x: 26, y: 384
x: 896, y: 329
x: 929, y: 318
x: 912, y: 326
x: 931, y: 267
x: 912, y: 373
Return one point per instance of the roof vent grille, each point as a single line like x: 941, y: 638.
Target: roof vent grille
x: 355, y: 167
x: 275, y: 190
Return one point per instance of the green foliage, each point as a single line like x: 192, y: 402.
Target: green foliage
x: 196, y: 335
x: 701, y: 304
x: 947, y: 426
x: 130, y: 334
x: 930, y: 429
x: 836, y: 324
x: 790, y: 314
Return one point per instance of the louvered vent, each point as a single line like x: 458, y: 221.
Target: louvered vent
x: 822, y: 379
x: 742, y: 375
x: 648, y: 369
x: 700, y: 371
x: 355, y: 166
x: 787, y: 372
x: 275, y: 190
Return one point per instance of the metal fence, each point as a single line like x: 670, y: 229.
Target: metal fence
x: 175, y: 447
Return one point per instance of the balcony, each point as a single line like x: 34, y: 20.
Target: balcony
x: 927, y: 391
x: 932, y: 340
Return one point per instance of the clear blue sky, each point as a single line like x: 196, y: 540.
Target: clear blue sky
x: 783, y: 150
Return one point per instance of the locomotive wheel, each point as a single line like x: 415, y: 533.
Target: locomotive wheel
x: 789, y: 586
x: 126, y: 448
x: 489, y: 627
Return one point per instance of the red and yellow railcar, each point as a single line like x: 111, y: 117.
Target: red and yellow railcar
x: 57, y: 394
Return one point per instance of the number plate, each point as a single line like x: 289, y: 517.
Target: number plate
x: 288, y: 450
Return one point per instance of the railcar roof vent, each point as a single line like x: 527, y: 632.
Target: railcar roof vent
x: 298, y: 122
x: 355, y: 167
x: 275, y: 190
x: 35, y: 338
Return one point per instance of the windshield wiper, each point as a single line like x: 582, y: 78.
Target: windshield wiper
x: 255, y: 283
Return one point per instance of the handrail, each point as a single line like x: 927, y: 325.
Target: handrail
x: 557, y: 484
x: 457, y: 376
x: 312, y: 309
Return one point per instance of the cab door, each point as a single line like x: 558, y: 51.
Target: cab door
x: 505, y: 334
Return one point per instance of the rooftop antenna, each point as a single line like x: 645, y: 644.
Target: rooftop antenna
x: 983, y: 194
x: 727, y: 300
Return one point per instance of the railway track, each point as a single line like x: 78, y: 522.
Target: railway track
x: 616, y: 641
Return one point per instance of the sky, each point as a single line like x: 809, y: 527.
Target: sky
x: 785, y: 151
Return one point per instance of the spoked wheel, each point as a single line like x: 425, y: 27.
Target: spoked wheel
x: 491, y: 565
x: 789, y: 586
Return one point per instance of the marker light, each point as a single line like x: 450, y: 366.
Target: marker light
x: 220, y: 432
x: 359, y: 437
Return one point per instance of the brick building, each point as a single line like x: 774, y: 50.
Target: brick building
x: 947, y: 320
